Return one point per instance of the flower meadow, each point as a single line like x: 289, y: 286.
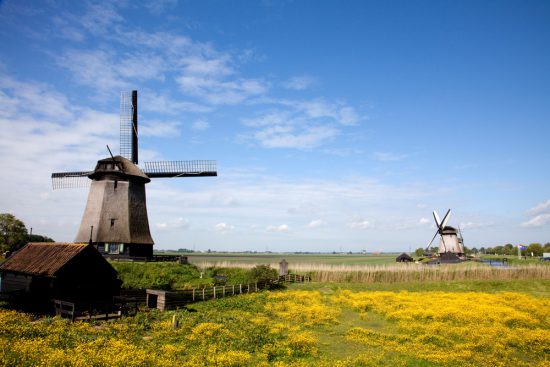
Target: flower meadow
x: 322, y: 327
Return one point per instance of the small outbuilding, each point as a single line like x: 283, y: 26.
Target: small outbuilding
x: 42, y: 272
x: 404, y: 258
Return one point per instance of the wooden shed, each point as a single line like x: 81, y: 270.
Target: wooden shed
x: 42, y: 272
x: 403, y: 258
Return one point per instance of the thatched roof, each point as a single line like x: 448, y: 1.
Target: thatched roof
x: 128, y: 167
x: 42, y: 258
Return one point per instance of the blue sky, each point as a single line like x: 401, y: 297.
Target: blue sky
x: 335, y: 125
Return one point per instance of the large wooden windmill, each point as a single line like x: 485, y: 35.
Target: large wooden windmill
x: 451, y: 246
x: 115, y: 219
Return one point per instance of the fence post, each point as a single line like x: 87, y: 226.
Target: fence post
x: 223, y: 291
x: 248, y: 288
x: 214, y: 292
x: 240, y: 289
x: 203, y: 294
x: 233, y: 289
x: 193, y: 294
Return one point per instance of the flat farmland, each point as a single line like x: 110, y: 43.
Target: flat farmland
x: 252, y: 259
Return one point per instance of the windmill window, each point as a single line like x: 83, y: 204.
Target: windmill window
x: 114, y: 248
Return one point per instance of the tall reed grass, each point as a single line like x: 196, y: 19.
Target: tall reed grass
x: 403, y: 272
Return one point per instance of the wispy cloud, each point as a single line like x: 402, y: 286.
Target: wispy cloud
x: 180, y: 223
x: 360, y: 223
x: 223, y: 227
x: 153, y: 102
x: 299, y: 82
x: 540, y: 214
x: 538, y: 221
x: 288, y: 137
x: 476, y: 225
x: 159, y: 129
x: 160, y: 6
x: 543, y: 207
x: 282, y: 228
x: 299, y: 124
x: 424, y: 221
x: 200, y: 125
x: 317, y: 223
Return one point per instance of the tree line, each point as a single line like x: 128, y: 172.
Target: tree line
x: 14, y: 234
x: 533, y: 249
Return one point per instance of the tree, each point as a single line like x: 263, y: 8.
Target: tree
x: 419, y: 252
x: 39, y: 238
x: 546, y: 247
x: 509, y: 249
x: 535, y: 249
x: 262, y: 273
x: 13, y: 233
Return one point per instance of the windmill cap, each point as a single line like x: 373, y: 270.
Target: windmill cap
x: 122, y: 168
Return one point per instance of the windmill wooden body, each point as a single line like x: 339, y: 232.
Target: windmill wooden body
x: 115, y: 218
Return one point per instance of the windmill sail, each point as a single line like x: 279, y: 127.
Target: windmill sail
x: 129, y: 126
x: 198, y: 168
x: 70, y: 180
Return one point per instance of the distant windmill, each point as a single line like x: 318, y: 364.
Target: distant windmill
x: 451, y: 239
x: 115, y: 219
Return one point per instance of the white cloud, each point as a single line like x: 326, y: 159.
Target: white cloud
x: 221, y: 91
x: 180, y: 223
x: 541, y: 208
x: 159, y: 129
x: 538, y: 221
x: 317, y: 223
x: 476, y: 225
x: 19, y: 98
x: 100, y: 18
x: 200, y: 125
x: 94, y: 68
x: 423, y: 221
x: 540, y: 214
x: 160, y: 6
x: 360, y: 223
x: 286, y: 137
x: 223, y: 227
x: 282, y: 228
x: 299, y: 82
x: 164, y: 104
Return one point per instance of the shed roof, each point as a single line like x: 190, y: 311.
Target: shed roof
x: 42, y: 258
x: 404, y: 256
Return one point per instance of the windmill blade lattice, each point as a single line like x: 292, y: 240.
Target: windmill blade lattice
x: 128, y: 125
x: 70, y: 180
x: 197, y: 168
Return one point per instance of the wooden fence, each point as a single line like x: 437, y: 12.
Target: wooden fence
x: 95, y: 310
x: 167, y: 300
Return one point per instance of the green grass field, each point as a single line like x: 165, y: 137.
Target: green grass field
x: 291, y: 258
